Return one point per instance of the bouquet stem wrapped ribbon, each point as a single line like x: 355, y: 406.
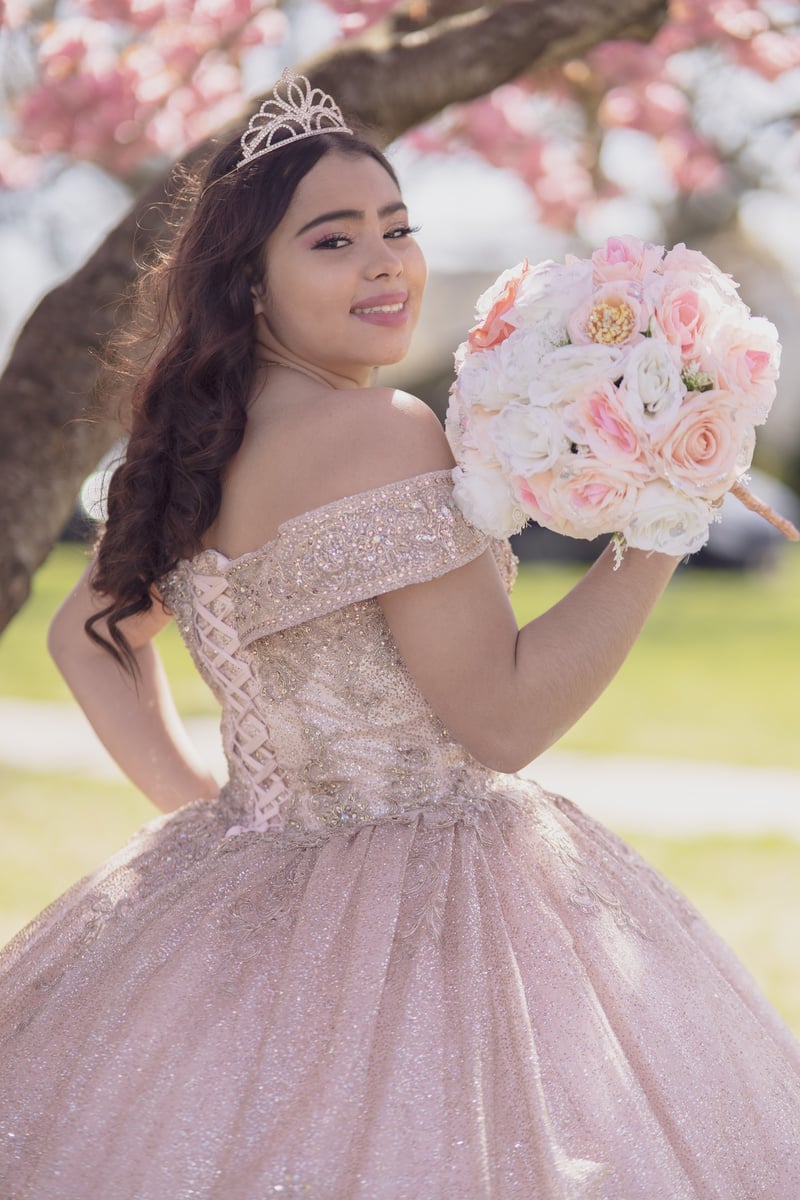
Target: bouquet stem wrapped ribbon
x: 617, y: 394
x: 782, y: 524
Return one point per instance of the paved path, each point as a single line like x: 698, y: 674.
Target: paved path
x: 647, y: 795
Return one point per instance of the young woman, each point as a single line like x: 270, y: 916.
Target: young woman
x: 377, y: 964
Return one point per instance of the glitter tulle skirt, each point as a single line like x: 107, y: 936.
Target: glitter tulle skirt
x: 511, y: 1008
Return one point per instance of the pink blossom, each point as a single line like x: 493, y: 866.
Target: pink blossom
x: 771, y: 54
x: 692, y: 160
x: 653, y: 105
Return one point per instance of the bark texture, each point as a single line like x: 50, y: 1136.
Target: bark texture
x: 53, y: 427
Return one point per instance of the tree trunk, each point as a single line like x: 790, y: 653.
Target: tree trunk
x: 53, y: 426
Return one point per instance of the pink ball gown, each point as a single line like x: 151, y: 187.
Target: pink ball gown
x: 375, y: 969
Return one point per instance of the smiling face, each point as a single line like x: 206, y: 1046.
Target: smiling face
x: 344, y: 276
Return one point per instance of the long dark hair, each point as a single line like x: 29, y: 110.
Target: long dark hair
x: 188, y: 402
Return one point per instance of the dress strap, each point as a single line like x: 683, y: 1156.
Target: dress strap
x: 352, y: 549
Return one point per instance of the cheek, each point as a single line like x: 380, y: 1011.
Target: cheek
x: 418, y: 268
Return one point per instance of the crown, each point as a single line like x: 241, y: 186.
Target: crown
x: 304, y: 112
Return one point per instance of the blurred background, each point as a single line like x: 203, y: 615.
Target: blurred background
x: 689, y: 135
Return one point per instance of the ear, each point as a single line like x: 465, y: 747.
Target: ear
x: 257, y: 292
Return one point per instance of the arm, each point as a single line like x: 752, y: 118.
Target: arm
x: 135, y: 720
x: 506, y: 693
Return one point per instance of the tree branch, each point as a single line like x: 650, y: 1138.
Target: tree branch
x: 391, y: 80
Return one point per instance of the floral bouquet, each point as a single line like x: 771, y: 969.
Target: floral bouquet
x: 617, y: 394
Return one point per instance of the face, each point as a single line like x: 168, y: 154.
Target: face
x: 344, y: 276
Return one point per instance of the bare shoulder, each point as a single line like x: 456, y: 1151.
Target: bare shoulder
x: 389, y: 435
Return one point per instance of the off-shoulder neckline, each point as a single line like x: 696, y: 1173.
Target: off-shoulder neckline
x: 299, y: 518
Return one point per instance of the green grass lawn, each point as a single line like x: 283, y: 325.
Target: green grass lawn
x: 713, y: 676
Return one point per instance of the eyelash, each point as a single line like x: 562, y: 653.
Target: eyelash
x: 330, y: 240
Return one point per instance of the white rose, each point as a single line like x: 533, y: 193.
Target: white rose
x: 486, y: 500
x: 478, y: 380
x: 518, y: 357
x: 668, y: 521
x: 549, y: 294
x: 527, y: 438
x: 652, y: 385
x: 571, y: 371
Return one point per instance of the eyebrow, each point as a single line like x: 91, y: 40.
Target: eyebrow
x: 351, y: 214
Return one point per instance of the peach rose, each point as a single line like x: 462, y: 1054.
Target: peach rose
x: 580, y: 498
x: 494, y: 328
x: 625, y: 258
x: 709, y: 446
x: 598, y: 420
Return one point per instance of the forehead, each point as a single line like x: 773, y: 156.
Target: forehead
x: 341, y: 181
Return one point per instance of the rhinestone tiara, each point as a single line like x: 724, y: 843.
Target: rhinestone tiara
x: 304, y: 112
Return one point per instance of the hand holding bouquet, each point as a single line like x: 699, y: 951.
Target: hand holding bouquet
x: 617, y: 394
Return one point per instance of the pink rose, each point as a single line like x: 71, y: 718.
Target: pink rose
x: 680, y: 260
x: 708, y: 447
x: 748, y: 358
x: 599, y: 420
x: 625, y: 258
x: 494, y: 329
x: 686, y: 313
x: 615, y: 314
x: 579, y: 497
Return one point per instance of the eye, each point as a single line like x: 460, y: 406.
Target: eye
x: 332, y: 241
x: 403, y: 231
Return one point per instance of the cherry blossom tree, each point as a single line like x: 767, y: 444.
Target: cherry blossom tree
x: 542, y: 87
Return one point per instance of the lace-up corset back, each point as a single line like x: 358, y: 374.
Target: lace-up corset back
x: 322, y: 724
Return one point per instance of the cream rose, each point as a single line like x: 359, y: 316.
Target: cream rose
x: 668, y: 521
x: 527, y: 438
x: 651, y: 387
x: 569, y: 371
x: 485, y: 498
x: 478, y: 379
x: 548, y: 294
x: 518, y: 358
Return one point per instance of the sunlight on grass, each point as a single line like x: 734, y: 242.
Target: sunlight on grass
x: 713, y: 675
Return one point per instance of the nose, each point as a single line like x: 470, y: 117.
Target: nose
x: 384, y: 261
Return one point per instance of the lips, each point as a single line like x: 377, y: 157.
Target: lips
x: 388, y: 303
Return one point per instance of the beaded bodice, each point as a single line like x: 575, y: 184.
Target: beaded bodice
x: 323, y: 726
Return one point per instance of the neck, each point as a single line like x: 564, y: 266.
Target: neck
x: 268, y: 356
